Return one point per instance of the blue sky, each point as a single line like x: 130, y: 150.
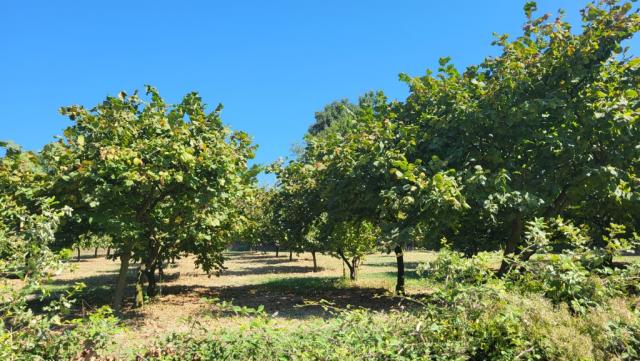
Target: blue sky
x: 271, y: 63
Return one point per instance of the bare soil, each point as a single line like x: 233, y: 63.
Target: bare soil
x: 251, y: 279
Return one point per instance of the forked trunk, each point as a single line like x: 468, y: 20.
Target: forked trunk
x: 400, y: 265
x: 353, y: 272
x: 352, y: 265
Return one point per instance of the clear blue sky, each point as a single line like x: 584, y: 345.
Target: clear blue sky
x: 271, y: 63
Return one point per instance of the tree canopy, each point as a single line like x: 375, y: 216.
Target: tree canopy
x: 546, y: 129
x: 159, y: 180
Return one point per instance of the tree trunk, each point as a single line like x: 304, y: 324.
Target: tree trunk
x: 352, y: 265
x: 277, y: 251
x: 108, y: 251
x: 95, y: 253
x: 517, y: 225
x: 152, y: 284
x: 290, y: 256
x: 400, y: 264
x: 160, y: 277
x: 315, y: 263
x: 121, y: 283
x: 78, y: 254
x: 151, y: 263
x: 139, y: 300
x: 353, y: 270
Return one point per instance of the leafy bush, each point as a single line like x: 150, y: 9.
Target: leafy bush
x: 452, y: 268
x: 562, y: 279
x: 566, y: 306
x: 487, y: 324
x: 27, y: 227
x: 47, y: 337
x: 582, y: 275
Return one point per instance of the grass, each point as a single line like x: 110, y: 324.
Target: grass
x: 252, y: 279
x: 288, y: 289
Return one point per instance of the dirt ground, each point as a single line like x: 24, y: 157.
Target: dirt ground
x: 251, y: 279
x: 189, y: 298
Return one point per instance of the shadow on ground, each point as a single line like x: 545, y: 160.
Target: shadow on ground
x: 98, y: 290
x: 408, y: 275
x: 295, y: 298
x: 263, y: 259
x: 292, y: 298
x: 269, y: 270
x: 407, y: 265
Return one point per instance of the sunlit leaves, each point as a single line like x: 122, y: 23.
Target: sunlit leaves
x: 155, y: 175
x: 546, y: 128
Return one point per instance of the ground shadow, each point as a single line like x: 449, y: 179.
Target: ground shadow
x: 294, y: 298
x: 269, y: 270
x: 408, y: 274
x: 85, y: 257
x: 407, y: 265
x: 288, y: 297
x: 256, y: 256
x: 98, y: 290
x: 276, y: 261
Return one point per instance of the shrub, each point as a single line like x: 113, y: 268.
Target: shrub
x: 452, y: 268
x: 487, y: 324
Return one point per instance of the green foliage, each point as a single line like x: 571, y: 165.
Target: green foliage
x: 484, y: 324
x: 26, y: 336
x: 28, y: 222
x: 575, y: 277
x: 470, y: 314
x: 547, y: 128
x: 342, y: 112
x: 257, y: 218
x: 91, y: 240
x: 531, y: 151
x: 295, y: 214
x: 352, y: 241
x: 452, y: 269
x: 160, y: 180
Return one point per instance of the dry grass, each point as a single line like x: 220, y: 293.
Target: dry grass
x: 251, y: 279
